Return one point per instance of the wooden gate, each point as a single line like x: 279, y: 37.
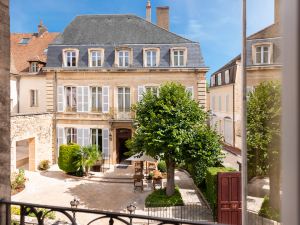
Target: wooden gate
x: 229, y: 198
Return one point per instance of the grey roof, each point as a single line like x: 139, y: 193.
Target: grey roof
x: 115, y: 29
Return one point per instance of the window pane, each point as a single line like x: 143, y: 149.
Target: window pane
x: 266, y: 55
x: 127, y: 100
x: 258, y: 54
x: 154, y: 58
x: 99, y: 99
x: 120, y: 99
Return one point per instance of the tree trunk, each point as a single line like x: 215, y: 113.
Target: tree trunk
x: 170, y: 177
x: 5, y: 148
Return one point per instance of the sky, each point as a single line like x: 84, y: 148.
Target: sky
x: 215, y: 24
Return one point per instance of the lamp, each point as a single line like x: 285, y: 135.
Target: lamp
x: 131, y: 208
x: 74, y: 204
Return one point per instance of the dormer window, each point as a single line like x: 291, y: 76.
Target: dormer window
x: 34, y: 67
x: 24, y: 41
x: 178, y: 57
x: 70, y: 57
x: 212, y: 81
x: 96, y: 57
x: 262, y: 53
x: 123, y: 56
x: 151, y: 57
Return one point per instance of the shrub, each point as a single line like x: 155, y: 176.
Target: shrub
x: 87, y: 157
x: 68, y: 155
x: 44, y: 165
x: 158, y: 198
x: 15, y: 210
x: 18, y: 180
x: 161, y: 166
x: 211, y: 185
x: 267, y: 211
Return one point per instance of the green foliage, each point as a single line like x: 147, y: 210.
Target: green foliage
x: 87, y: 157
x: 18, y: 180
x: 158, y: 198
x: 267, y: 211
x: 263, y: 128
x: 174, y: 128
x: 211, y: 183
x: 44, y: 165
x: 15, y: 210
x: 161, y: 166
x: 68, y: 156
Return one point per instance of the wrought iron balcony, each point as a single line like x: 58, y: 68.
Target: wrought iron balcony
x: 96, y: 216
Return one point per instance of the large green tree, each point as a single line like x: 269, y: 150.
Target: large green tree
x: 171, y: 126
x: 263, y: 136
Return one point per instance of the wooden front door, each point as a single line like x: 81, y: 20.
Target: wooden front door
x: 122, y: 136
x: 229, y: 198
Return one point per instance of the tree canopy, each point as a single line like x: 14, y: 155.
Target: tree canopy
x: 174, y: 128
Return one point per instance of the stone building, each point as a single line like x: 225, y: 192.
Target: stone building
x: 31, y: 126
x: 263, y: 64
x: 102, y: 64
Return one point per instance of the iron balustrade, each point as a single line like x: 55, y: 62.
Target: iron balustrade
x: 123, y: 218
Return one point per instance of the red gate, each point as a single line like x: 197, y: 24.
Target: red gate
x: 229, y: 198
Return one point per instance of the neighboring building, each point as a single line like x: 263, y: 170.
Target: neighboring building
x: 263, y: 64
x: 102, y: 64
x: 28, y: 82
x: 31, y: 125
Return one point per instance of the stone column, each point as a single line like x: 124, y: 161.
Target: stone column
x: 4, y: 105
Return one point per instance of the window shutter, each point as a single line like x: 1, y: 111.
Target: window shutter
x: 60, y: 136
x: 105, y: 99
x: 141, y: 91
x: 79, y: 93
x: 60, y: 99
x: 85, y: 99
x: 190, y: 90
x: 86, y: 137
x: 105, y: 143
x: 80, y: 138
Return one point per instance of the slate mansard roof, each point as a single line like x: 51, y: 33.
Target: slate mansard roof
x: 111, y: 31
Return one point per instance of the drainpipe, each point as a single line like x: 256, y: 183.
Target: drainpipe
x: 233, y: 113
x: 54, y: 115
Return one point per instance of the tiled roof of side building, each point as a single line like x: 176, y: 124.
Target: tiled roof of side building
x: 34, y: 49
x: 115, y: 29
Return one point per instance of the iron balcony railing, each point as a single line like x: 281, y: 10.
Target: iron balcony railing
x: 95, y: 216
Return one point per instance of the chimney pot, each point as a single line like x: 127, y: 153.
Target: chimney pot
x: 41, y: 29
x: 148, y: 11
x: 162, y: 15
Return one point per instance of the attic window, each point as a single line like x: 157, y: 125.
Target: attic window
x: 24, y: 41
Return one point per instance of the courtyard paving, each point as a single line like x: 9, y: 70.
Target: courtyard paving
x: 111, y: 191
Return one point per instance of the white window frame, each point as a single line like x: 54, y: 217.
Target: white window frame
x: 72, y: 104
x: 72, y: 135
x: 105, y: 143
x: 212, y: 80
x: 105, y: 99
x: 83, y: 98
x: 75, y: 53
x: 219, y: 77
x: 98, y: 95
x: 83, y: 136
x: 261, y: 53
x: 33, y: 98
x: 34, y: 67
x: 153, y: 89
x: 61, y: 102
x: 100, y: 54
x: 152, y: 63
x: 190, y: 89
x: 227, y: 77
x: 123, y: 93
x: 184, y: 57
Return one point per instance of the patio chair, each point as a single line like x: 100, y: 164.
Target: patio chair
x: 138, y: 182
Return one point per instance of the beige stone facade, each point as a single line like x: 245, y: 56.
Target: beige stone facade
x: 115, y: 121
x: 31, y: 140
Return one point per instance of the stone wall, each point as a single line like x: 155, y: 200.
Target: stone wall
x: 38, y: 128
x: 255, y: 219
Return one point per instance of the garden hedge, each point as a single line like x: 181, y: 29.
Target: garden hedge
x: 211, y: 182
x: 68, y: 154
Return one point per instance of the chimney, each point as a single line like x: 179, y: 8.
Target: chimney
x: 148, y: 11
x: 41, y: 29
x: 162, y: 16
x: 277, y: 11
